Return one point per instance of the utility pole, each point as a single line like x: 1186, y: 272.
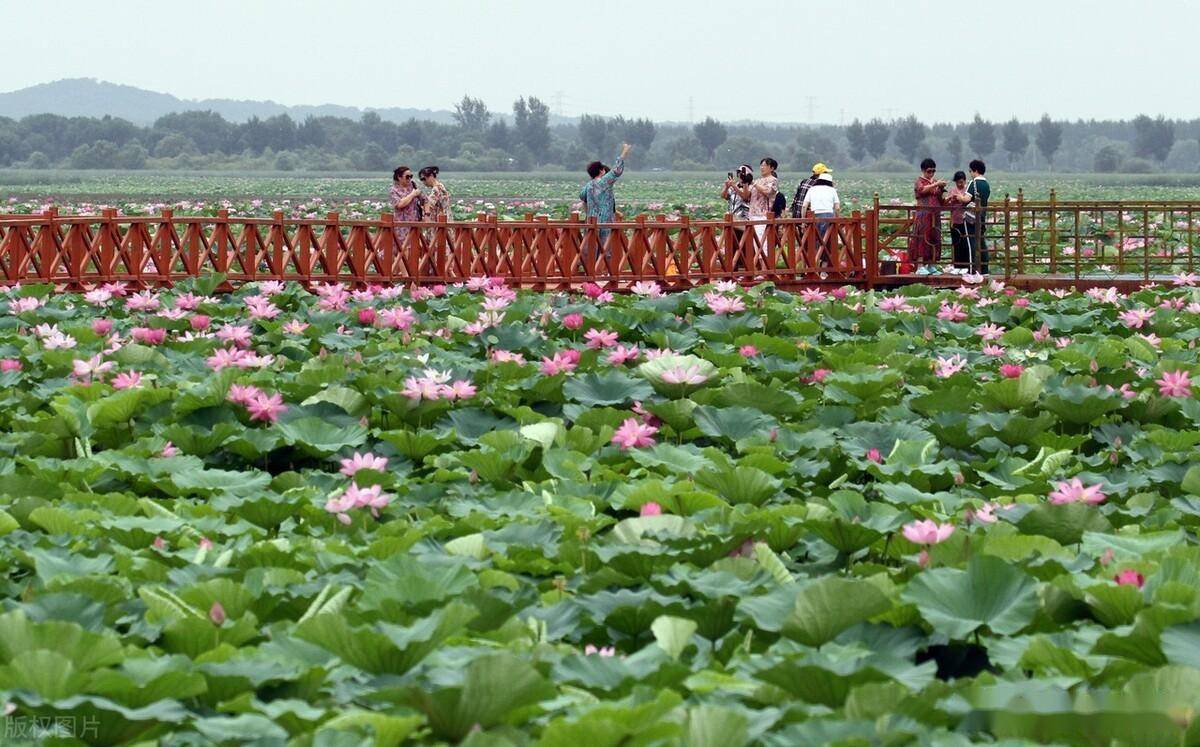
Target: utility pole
x: 842, y: 117
x: 691, y: 110
x: 811, y: 116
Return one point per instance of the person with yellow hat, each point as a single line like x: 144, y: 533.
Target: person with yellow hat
x: 802, y: 190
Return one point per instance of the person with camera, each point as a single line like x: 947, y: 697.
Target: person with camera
x: 736, y: 191
x: 597, y: 196
x: 405, y: 200
x: 925, y: 241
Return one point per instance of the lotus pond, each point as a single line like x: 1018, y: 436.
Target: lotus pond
x: 469, y: 515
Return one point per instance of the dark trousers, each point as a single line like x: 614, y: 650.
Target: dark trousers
x: 958, y: 240
x: 976, y: 247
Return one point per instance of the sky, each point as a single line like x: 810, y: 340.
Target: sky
x: 671, y: 60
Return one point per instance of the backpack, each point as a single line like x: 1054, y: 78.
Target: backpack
x: 779, y: 205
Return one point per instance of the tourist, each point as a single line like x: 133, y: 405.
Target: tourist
x: 406, y: 202
x: 802, y: 190
x: 762, y: 196
x: 597, y: 196
x: 979, y: 190
x: 925, y: 241
x: 435, y: 204
x: 822, y: 198
x: 736, y: 192
x: 957, y: 198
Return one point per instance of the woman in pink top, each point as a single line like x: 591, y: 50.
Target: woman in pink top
x: 406, y: 202
x: 925, y: 241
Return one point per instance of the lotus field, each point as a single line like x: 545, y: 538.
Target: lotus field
x: 468, y: 515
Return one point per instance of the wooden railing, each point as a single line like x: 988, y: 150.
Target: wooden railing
x: 1069, y: 240
x: 81, y: 251
x: 1047, y: 242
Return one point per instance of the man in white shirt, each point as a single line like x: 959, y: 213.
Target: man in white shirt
x: 822, y: 199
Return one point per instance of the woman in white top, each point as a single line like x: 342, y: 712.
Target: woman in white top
x: 823, y: 199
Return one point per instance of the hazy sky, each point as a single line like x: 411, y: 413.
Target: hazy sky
x: 733, y: 60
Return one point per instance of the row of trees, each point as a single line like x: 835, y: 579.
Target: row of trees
x: 480, y: 139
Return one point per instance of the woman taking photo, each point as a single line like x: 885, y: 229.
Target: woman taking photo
x: 406, y: 202
x: 736, y: 191
x: 925, y: 242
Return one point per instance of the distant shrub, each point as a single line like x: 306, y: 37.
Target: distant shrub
x: 1136, y: 166
x: 1108, y: 159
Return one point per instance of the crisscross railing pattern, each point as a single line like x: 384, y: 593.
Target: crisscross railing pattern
x: 81, y: 251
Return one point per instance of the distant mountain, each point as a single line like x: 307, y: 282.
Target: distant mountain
x: 88, y: 97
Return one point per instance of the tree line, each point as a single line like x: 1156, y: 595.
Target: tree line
x: 524, y: 139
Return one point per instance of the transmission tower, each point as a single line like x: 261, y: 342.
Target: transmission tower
x: 557, y: 101
x: 691, y: 110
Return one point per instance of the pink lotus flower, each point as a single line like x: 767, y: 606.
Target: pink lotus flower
x: 1042, y: 334
x: 951, y: 312
x: 748, y: 351
x: 92, y: 368
x: 605, y: 651
x: 97, y: 297
x: 366, y: 316
x: 622, y: 354
x: 127, y: 380
x: 927, y: 532
x: 634, y: 433
x: 647, y: 288
x: 944, y: 368
x: 169, y: 450
x: 23, y: 305
x: 560, y: 363
x: 1129, y: 577
x: 719, y: 304
x: 148, y: 335
x: 1126, y: 391
x: 985, y: 514
x: 1174, y: 384
x: 505, y: 356
x: 422, y: 388
x: 1135, y: 318
x: 188, y: 301
x: 995, y: 351
x: 9, y: 364
x: 216, y: 613
x: 1011, y: 370
x: 200, y: 322
x: 1073, y: 491
x: 295, y: 327
x: 240, y: 394
x: 459, y: 389
x: 593, y: 291
x: 266, y: 408
x: 600, y: 338
x: 873, y: 455
x: 353, y: 464
x: 813, y: 295
x: 989, y: 331
x: 1021, y: 302
x: 260, y: 307
x: 143, y: 301
x: 399, y: 317
x: 819, y: 374
x: 102, y: 326
x: 573, y: 321
x: 650, y: 509
x: 895, y: 303
x: 689, y: 376
x: 1185, y: 278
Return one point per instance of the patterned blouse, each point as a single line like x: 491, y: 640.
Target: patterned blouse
x: 760, y: 204
x: 436, y: 203
x: 597, y: 195
x: 411, y: 211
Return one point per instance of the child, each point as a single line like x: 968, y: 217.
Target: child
x: 957, y: 198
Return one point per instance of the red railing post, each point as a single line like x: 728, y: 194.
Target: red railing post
x: 872, y: 253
